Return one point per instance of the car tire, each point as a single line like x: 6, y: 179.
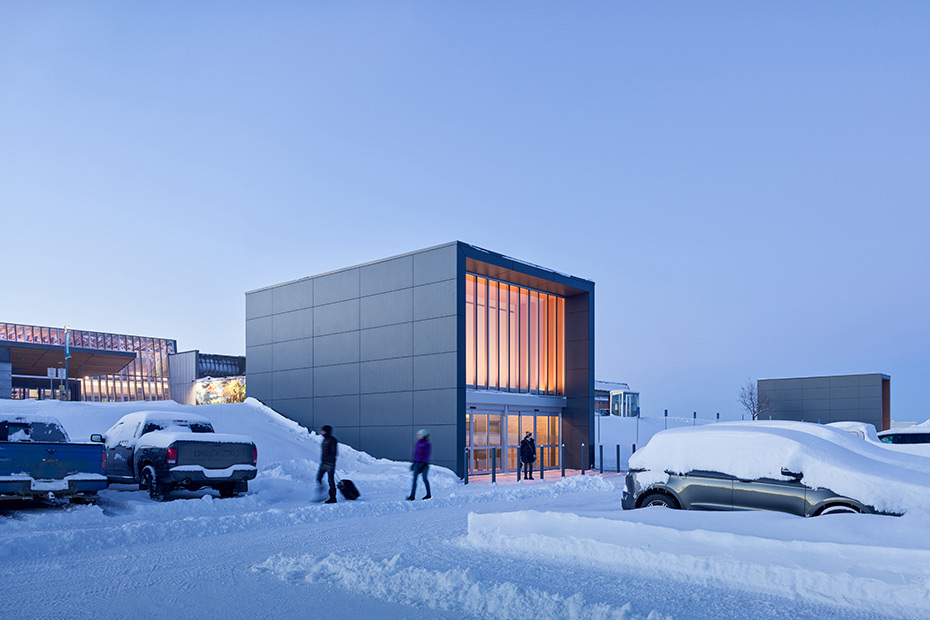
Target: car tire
x: 837, y: 509
x: 148, y: 480
x: 227, y: 490
x: 656, y: 498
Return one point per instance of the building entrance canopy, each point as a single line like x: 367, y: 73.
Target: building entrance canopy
x: 29, y: 359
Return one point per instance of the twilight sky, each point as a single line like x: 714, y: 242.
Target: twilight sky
x: 746, y: 183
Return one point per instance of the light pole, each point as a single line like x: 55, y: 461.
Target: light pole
x: 67, y: 357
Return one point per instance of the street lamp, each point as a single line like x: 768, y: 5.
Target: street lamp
x: 67, y: 357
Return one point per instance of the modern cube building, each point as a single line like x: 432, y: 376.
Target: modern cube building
x: 837, y: 398
x: 474, y: 345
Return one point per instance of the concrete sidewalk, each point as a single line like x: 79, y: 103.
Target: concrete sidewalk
x: 551, y: 475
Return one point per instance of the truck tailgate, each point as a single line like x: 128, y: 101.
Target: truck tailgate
x: 50, y: 461
x: 214, y: 455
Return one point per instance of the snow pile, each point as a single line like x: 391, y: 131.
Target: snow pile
x: 827, y: 457
x: 877, y: 579
x: 457, y: 591
x: 288, y: 454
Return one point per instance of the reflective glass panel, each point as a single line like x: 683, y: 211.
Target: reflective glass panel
x: 470, y: 343
x: 482, y: 306
x: 504, y: 337
x: 493, y: 345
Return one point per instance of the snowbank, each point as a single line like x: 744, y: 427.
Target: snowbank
x: 875, y: 578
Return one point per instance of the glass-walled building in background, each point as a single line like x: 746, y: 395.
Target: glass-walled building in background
x: 144, y: 377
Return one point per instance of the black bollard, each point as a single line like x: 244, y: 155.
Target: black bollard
x: 493, y: 466
x: 466, y: 465
x: 618, y: 458
x: 601, y: 450
x: 542, y: 464
x: 584, y: 458
x: 562, y: 458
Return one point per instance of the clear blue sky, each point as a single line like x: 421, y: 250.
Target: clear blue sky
x: 747, y: 183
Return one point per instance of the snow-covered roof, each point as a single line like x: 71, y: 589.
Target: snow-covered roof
x: 923, y: 427
x: 163, y: 416
x: 859, y: 429
x: 29, y: 418
x: 607, y: 386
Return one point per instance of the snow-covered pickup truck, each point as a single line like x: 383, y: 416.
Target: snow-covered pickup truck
x: 163, y: 451
x: 38, y: 462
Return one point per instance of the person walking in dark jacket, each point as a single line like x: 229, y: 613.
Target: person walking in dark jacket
x: 328, y: 462
x: 421, y: 452
x: 528, y: 455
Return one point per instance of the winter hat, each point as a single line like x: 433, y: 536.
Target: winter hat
x: 327, y: 429
x: 423, y: 432
x: 528, y: 433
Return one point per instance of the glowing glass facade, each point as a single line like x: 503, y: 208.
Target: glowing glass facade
x: 514, y: 338
x: 145, y: 378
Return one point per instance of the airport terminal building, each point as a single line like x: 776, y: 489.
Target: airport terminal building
x: 100, y: 366
x: 474, y: 345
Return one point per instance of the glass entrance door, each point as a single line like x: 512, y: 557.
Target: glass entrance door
x: 484, y: 438
x: 500, y: 433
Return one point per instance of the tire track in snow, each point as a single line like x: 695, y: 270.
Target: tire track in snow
x: 455, y: 590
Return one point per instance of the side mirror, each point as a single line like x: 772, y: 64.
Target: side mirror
x: 97, y: 438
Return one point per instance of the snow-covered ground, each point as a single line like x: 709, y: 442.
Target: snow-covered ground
x: 544, y: 549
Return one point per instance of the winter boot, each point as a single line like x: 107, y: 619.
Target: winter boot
x: 331, y: 500
x: 427, y: 496
x: 410, y: 498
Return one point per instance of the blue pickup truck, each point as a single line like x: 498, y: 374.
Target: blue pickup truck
x: 38, y: 462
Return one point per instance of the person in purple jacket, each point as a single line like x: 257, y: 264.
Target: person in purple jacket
x: 420, y: 464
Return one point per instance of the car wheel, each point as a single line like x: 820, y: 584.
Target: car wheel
x: 227, y: 490
x: 157, y: 491
x: 838, y: 509
x: 658, y: 499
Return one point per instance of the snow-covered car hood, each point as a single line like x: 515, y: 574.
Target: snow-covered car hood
x: 162, y: 439
x: 829, y: 458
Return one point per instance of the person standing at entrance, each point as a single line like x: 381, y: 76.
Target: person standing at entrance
x: 421, y: 453
x: 328, y: 462
x: 528, y: 455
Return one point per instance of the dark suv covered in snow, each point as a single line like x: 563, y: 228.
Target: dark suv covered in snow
x: 708, y: 490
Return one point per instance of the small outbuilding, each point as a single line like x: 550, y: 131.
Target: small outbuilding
x: 836, y: 398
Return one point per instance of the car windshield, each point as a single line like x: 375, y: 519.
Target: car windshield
x: 177, y: 426
x: 906, y: 438
x: 32, y: 431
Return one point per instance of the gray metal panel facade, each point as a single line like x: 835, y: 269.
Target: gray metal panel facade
x: 182, y: 372
x: 6, y: 374
x: 827, y: 399
x: 370, y: 350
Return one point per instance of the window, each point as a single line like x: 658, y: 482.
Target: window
x: 514, y: 337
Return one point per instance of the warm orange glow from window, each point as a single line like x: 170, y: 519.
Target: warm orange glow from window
x: 470, y: 343
x: 514, y: 338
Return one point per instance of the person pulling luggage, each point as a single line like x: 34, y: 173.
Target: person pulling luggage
x: 420, y: 465
x: 328, y: 462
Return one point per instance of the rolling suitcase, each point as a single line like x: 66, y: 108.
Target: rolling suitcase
x: 348, y: 490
